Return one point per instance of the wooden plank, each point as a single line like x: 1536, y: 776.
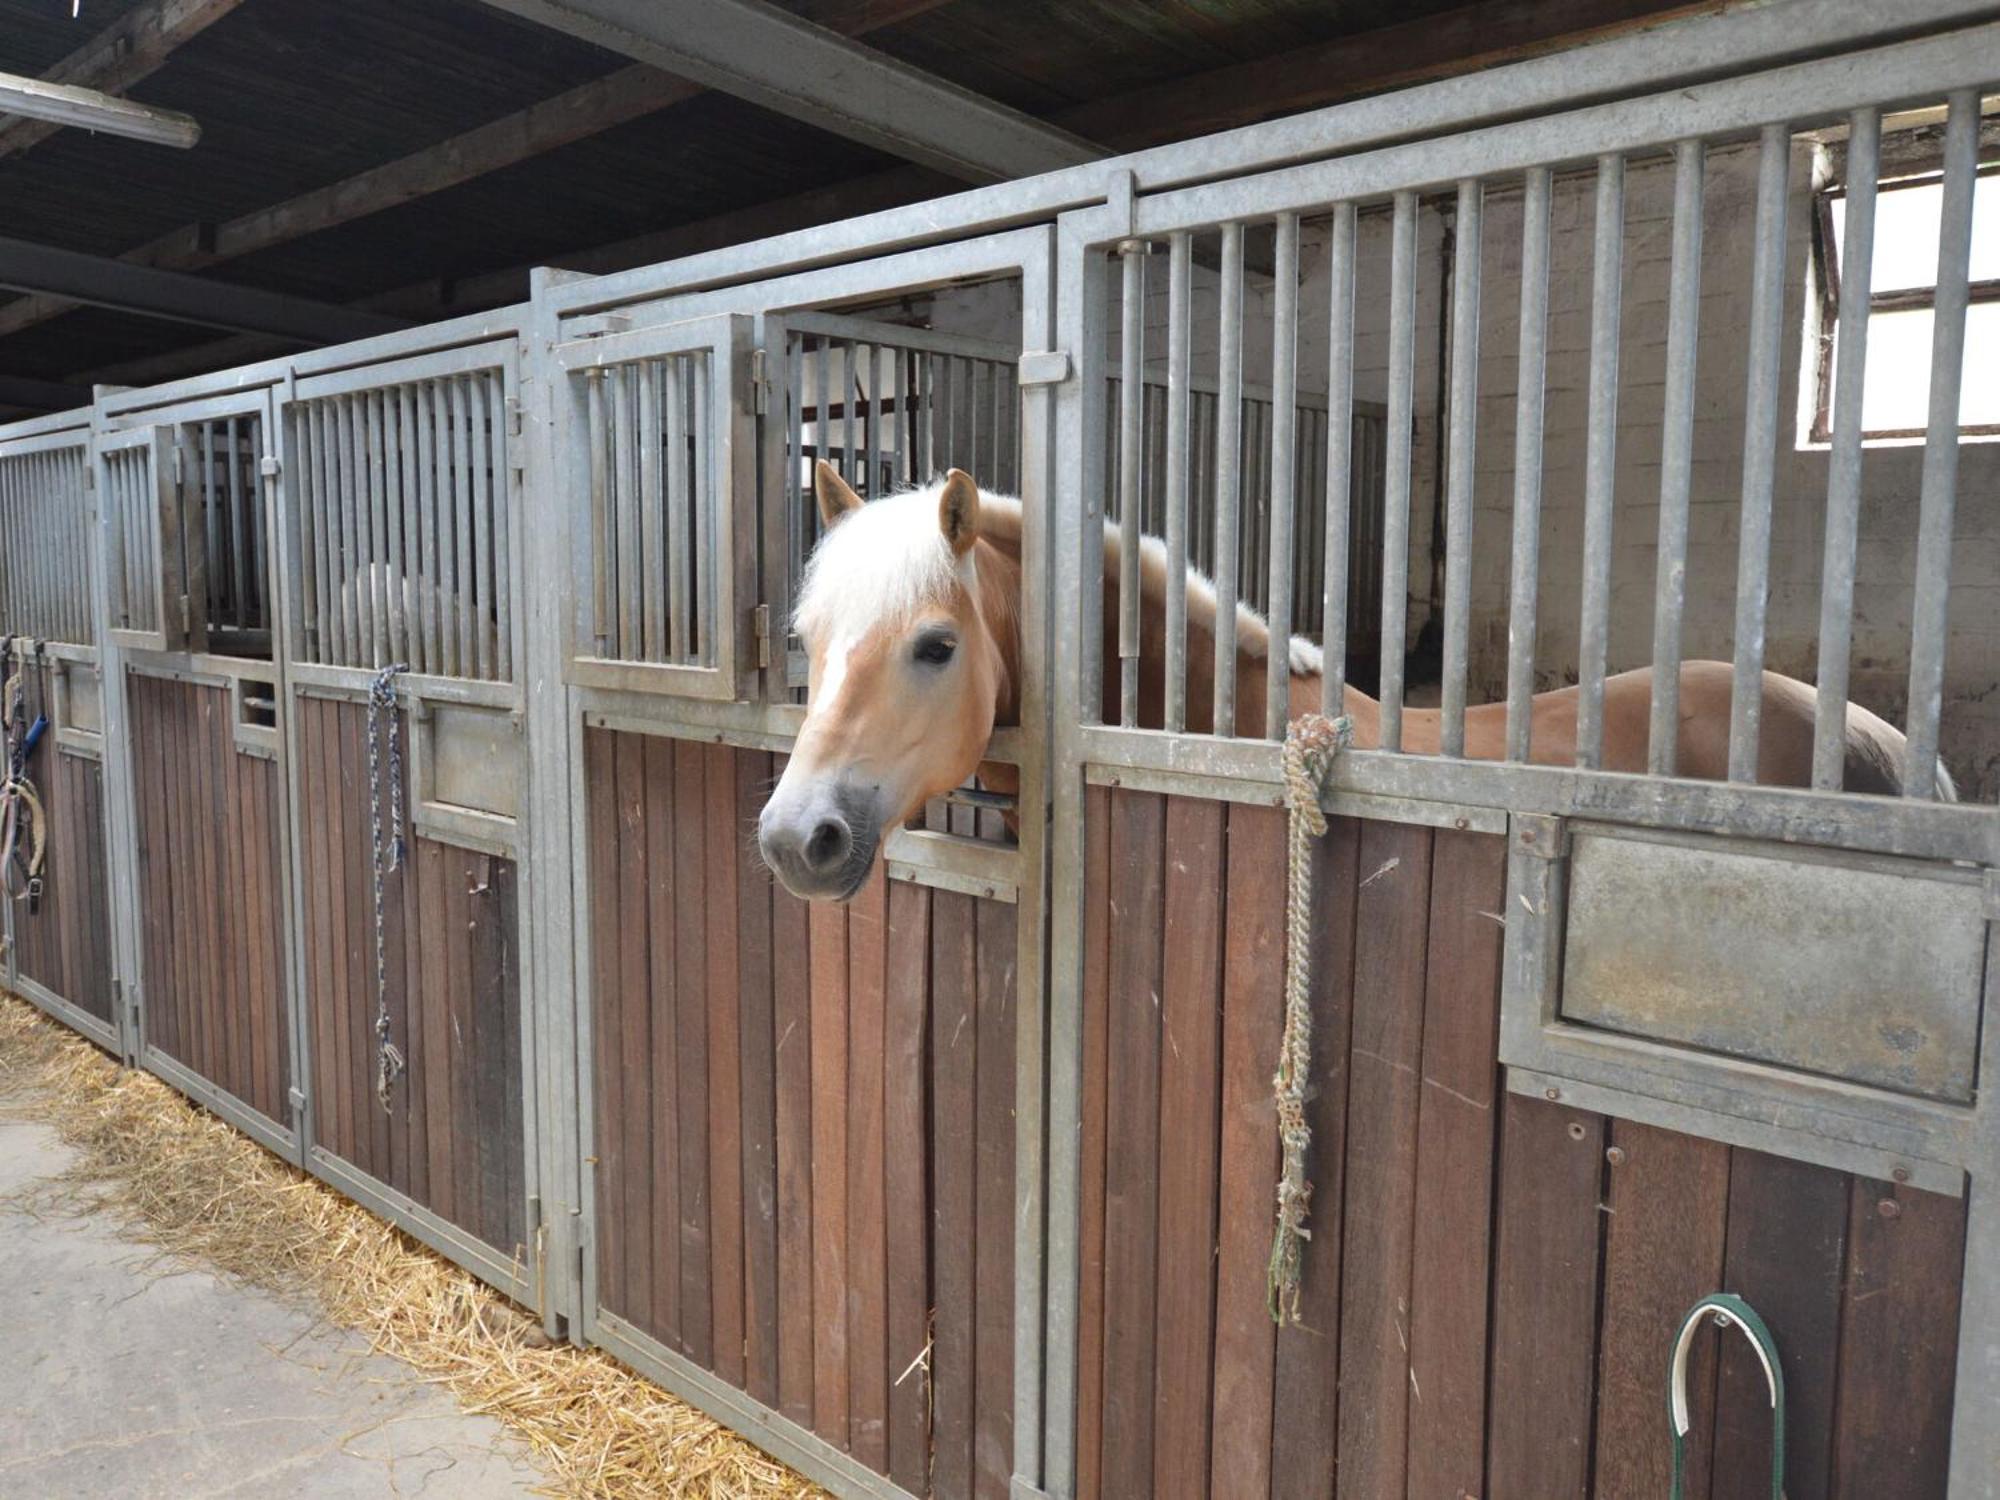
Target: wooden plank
x: 1663, y: 1250
x: 663, y: 899
x: 1305, y: 1424
x: 419, y: 1006
x: 1095, y: 1002
x: 1190, y: 1118
x: 1391, y: 920
x: 1456, y: 1129
x: 867, y: 1234
x: 827, y: 929
x: 607, y: 1012
x: 691, y: 944
x: 232, y: 831
x: 461, y: 876
x: 485, y: 953
x: 725, y: 1067
x: 1132, y: 1145
x: 396, y: 938
x: 759, y: 1093
x: 625, y: 892
x: 1252, y: 1019
x: 793, y: 1060
x: 198, y: 881
x: 1785, y: 1253
x: 1898, y: 1343
x: 997, y: 938
x: 440, y: 1122
x: 954, y: 1173
x: 320, y: 997
x: 905, y: 1194
x: 513, y: 1088
x: 1546, y: 1269
x: 148, y: 797
x: 370, y: 1133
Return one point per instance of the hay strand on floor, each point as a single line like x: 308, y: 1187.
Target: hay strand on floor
x: 201, y: 1194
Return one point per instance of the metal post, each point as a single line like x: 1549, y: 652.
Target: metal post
x: 1528, y: 463
x: 1396, y: 504
x: 1676, y: 456
x: 1463, y: 419
x: 1284, y: 473
x: 1600, y: 456
x: 1339, y: 458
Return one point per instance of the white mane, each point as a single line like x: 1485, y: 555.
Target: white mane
x: 884, y: 560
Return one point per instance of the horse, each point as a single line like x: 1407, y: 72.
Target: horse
x: 909, y: 612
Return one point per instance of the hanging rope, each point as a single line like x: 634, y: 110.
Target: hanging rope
x: 382, y: 700
x: 1310, y: 746
x: 1729, y: 1311
x: 23, y: 823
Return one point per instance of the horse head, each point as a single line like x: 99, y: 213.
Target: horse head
x: 907, y: 614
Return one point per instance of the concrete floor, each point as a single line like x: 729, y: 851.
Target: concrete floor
x: 117, y: 1380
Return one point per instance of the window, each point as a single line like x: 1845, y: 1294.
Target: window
x: 1902, y: 293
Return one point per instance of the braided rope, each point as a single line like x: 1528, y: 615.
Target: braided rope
x: 389, y: 1062
x: 1310, y: 746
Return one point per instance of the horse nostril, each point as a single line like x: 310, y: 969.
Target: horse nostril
x: 828, y: 846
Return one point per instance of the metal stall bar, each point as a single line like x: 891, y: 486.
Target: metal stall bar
x: 396, y: 506
x: 461, y: 411
x: 625, y: 511
x: 1179, y: 273
x: 1229, y: 471
x: 708, y: 407
x: 1940, y: 474
x: 429, y: 455
x: 498, y: 405
x: 1600, y: 458
x: 1843, y: 477
x: 1463, y: 417
x: 1131, y: 409
x: 1528, y: 404
x: 652, y: 513
x: 348, y: 488
x: 1760, y: 450
x: 1339, y: 458
x: 409, y: 434
x: 677, y: 498
x: 1676, y: 455
x: 600, y: 522
x: 1396, y: 501
x: 1284, y: 473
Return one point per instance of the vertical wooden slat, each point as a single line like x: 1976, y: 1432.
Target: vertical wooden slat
x: 996, y: 938
x: 759, y: 1093
x: 828, y: 947
x: 954, y: 1168
x: 867, y: 1246
x: 1090, y: 1228
x: 1451, y: 1250
x: 626, y: 893
x: 441, y: 1124
x: 311, y: 749
x: 1305, y: 1426
x: 793, y: 1053
x: 691, y: 1003
x: 419, y: 1006
x: 1190, y: 1118
x: 485, y: 952
x: 1391, y: 921
x: 725, y: 1105
x: 467, y: 1180
x: 1898, y: 1343
x: 1663, y: 1249
x: 513, y: 1223
x: 1252, y: 1016
x: 906, y: 1198
x: 663, y: 898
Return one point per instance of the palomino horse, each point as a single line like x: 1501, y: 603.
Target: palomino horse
x: 910, y: 616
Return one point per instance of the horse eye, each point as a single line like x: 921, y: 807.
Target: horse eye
x: 935, y: 650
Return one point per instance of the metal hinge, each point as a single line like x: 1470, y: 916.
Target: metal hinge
x: 1043, y: 367
x: 513, y: 416
x: 760, y: 382
x: 760, y: 627
x: 187, y: 615
x: 270, y: 467
x: 296, y: 1097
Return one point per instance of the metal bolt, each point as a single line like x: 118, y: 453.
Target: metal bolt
x: 1576, y: 1131
x: 1527, y: 835
x: 1889, y: 1208
x: 1901, y: 1174
x: 1461, y: 824
x: 1616, y: 1156
x: 1552, y: 1093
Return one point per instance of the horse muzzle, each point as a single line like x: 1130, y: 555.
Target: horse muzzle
x: 821, y: 846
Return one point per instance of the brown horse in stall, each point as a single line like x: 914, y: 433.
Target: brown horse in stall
x: 910, y: 615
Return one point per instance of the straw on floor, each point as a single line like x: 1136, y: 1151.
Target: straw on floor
x: 201, y: 1194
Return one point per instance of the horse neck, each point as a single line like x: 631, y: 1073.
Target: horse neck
x: 998, y: 599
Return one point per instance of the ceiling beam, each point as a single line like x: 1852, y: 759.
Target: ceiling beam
x: 772, y: 58
x: 577, y: 114
x: 90, y: 109
x: 41, y: 395
x: 119, y: 56
x: 29, y: 267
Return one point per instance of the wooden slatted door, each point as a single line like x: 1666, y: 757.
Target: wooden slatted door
x: 1493, y: 1282
x: 802, y: 1147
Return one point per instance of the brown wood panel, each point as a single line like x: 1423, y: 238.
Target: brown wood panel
x: 1663, y: 1250
x: 1092, y: 1107
x: 1451, y: 1249
x: 1190, y: 1126
x: 1132, y: 1149
x: 1786, y: 1247
x: 725, y: 1063
x: 662, y: 903
x: 996, y: 936
x: 626, y: 894
x: 827, y: 926
x: 906, y: 1199
x: 488, y: 961
x: 697, y: 1317
x: 954, y: 1190
x: 867, y: 1232
x: 759, y: 1092
x: 1252, y: 1019
x: 1899, y: 1342
x: 1392, y: 916
x: 1547, y: 1259
x: 63, y: 945
x: 1305, y: 1424
x: 791, y: 985
x: 441, y: 1146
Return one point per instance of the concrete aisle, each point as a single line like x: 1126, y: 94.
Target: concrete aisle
x: 121, y: 1381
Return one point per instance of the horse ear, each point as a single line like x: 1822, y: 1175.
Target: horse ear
x: 836, y: 499
x: 958, y: 511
